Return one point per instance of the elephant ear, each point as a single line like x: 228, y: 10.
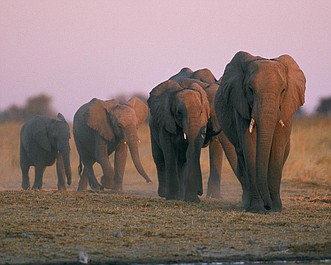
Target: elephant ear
x: 296, y: 85
x: 232, y: 83
x: 61, y: 117
x: 40, y: 134
x: 159, y: 103
x: 96, y: 117
x: 204, y: 75
x: 140, y: 109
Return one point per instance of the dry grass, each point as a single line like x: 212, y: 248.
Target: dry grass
x: 52, y: 227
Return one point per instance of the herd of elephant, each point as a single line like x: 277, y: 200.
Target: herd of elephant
x: 247, y: 113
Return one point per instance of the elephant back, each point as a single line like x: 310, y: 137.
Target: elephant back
x: 183, y: 74
x: 204, y: 75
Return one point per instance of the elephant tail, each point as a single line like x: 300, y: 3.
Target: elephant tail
x: 80, y: 168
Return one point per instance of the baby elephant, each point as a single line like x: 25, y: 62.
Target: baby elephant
x: 44, y: 140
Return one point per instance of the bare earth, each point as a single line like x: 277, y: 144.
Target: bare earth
x: 51, y: 227
x: 138, y: 227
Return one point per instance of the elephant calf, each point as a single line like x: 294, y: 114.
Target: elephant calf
x: 43, y: 141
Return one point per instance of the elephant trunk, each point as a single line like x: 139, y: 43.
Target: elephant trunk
x: 64, y: 150
x: 192, y: 173
x: 265, y: 125
x: 133, y: 141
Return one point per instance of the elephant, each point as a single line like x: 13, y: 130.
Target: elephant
x: 178, y: 125
x: 254, y: 104
x: 44, y: 140
x: 215, y: 139
x: 101, y: 128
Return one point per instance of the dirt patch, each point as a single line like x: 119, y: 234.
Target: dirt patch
x: 55, y: 227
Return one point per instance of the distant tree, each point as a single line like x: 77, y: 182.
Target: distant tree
x: 324, y: 107
x: 35, y: 105
x: 13, y: 113
x: 38, y: 105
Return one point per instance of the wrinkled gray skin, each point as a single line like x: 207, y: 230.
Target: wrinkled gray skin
x: 101, y: 128
x: 43, y: 141
x: 269, y: 92
x: 215, y: 140
x: 178, y: 125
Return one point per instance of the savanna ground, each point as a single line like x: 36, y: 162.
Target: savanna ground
x: 139, y: 227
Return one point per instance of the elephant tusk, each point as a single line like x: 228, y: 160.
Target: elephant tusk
x: 139, y: 141
x: 251, y: 125
x: 185, y: 136
x: 124, y: 142
x: 281, y: 123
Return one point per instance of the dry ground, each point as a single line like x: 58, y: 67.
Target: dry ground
x: 138, y: 227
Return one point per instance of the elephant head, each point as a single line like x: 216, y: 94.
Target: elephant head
x: 265, y: 92
x: 55, y: 136
x: 119, y: 122
x: 183, y: 113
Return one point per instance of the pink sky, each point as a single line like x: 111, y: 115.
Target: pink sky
x: 77, y: 50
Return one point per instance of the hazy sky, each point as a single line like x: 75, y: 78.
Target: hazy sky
x: 76, y: 50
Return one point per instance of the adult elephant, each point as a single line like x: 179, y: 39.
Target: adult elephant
x: 178, y: 125
x: 102, y: 127
x: 254, y: 104
x: 44, y: 140
x: 215, y: 140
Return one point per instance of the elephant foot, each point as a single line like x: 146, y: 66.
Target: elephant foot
x: 97, y: 188
x: 256, y: 206
x: 193, y: 198
x: 161, y: 192
x: 62, y: 188
x: 26, y: 186
x: 172, y: 197
x: 107, y: 182
x: 94, y: 186
x: 277, y: 206
x: 36, y: 187
x: 213, y: 193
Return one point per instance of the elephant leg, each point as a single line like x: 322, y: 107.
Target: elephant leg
x: 172, y: 177
x: 83, y: 181
x: 160, y: 167
x: 215, y: 162
x: 181, y: 173
x: 25, y: 167
x: 38, y: 181
x: 94, y: 184
x: 279, y: 152
x: 120, y: 162
x: 60, y: 173
x: 101, y: 156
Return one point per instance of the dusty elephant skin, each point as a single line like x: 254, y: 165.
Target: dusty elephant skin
x: 52, y: 227
x: 254, y: 104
